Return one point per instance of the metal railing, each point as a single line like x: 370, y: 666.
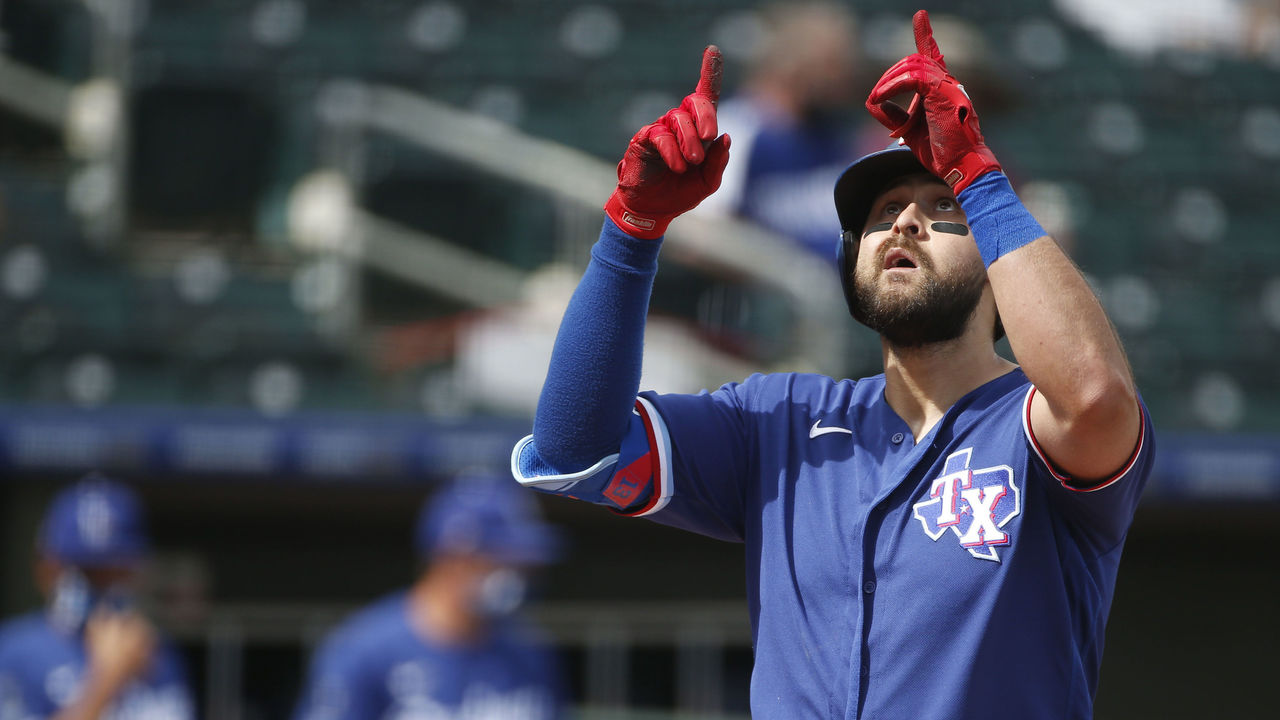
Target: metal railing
x: 578, y: 182
x: 699, y: 634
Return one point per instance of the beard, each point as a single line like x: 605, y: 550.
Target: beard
x: 934, y: 308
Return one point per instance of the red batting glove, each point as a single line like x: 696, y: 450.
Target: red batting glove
x: 672, y: 165
x: 941, y: 126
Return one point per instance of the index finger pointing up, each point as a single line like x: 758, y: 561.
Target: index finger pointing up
x: 712, y: 70
x: 925, y: 43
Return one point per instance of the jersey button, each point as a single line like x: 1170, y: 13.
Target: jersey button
x: 869, y: 587
x: 898, y: 438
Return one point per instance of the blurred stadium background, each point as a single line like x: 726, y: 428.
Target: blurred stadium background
x: 286, y: 264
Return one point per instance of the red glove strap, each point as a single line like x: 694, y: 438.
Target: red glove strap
x: 645, y: 227
x: 977, y: 162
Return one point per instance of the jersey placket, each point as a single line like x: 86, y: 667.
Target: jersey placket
x: 904, y: 465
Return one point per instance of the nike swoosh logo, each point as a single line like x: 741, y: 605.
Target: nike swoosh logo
x: 815, y: 431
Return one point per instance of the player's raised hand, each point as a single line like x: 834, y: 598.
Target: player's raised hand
x: 940, y: 124
x: 119, y: 645
x: 673, y: 164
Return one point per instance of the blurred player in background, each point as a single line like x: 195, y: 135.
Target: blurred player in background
x: 937, y: 542
x: 452, y: 645
x: 90, y: 653
x: 793, y: 124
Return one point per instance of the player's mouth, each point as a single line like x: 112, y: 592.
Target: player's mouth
x: 899, y: 259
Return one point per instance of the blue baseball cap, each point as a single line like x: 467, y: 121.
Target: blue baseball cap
x: 95, y: 523
x: 487, y: 516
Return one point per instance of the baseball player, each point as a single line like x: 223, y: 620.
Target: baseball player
x: 451, y: 647
x: 792, y: 125
x: 938, y: 541
x: 90, y: 654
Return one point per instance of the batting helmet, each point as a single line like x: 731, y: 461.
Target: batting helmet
x: 856, y: 189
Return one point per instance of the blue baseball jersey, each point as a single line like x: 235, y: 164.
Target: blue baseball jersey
x: 42, y: 671
x: 375, y: 665
x: 957, y: 576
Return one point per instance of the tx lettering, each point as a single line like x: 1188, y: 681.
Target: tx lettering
x: 973, y: 504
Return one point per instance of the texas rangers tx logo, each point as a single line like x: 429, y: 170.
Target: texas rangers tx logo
x: 973, y: 504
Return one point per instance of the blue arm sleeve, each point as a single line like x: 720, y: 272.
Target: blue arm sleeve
x: 585, y: 406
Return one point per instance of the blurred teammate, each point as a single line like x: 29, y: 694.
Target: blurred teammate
x: 937, y: 542
x: 793, y: 124
x: 452, y: 645
x: 90, y: 654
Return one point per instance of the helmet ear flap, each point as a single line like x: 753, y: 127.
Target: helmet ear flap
x: 847, y: 261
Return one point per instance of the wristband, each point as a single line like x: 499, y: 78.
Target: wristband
x: 998, y: 219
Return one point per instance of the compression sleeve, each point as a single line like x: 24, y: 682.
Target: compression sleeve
x: 585, y: 406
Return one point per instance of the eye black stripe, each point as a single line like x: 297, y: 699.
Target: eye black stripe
x: 877, y: 228
x: 950, y: 228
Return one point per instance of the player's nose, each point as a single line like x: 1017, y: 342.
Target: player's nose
x: 911, y: 222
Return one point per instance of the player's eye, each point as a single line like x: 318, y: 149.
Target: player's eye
x: 946, y: 205
x: 893, y: 208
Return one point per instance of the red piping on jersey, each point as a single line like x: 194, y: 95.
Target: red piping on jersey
x: 1065, y: 480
